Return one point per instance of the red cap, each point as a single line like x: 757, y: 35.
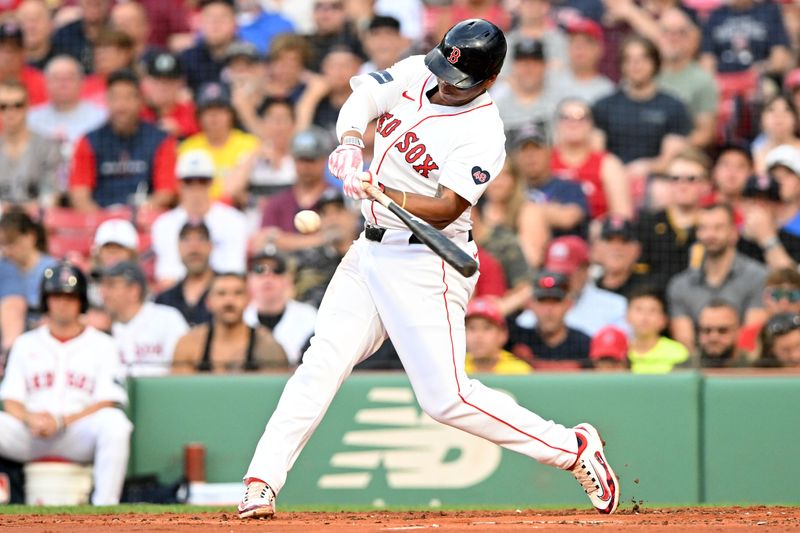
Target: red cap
x: 609, y: 342
x: 792, y: 80
x: 566, y: 254
x: 585, y: 26
x: 486, y: 308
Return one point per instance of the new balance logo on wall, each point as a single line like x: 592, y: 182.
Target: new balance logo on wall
x: 411, y: 449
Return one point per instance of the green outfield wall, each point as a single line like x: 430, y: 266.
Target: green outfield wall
x: 679, y: 438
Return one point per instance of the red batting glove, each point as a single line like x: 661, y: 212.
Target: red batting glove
x: 347, y: 159
x: 352, y: 185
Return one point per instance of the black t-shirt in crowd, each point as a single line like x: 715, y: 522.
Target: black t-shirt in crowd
x: 194, y: 314
x: 528, y: 344
x: 665, y: 250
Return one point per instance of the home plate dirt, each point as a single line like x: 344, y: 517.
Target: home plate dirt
x: 757, y: 519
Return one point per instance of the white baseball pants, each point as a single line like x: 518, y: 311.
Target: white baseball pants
x: 408, y: 293
x: 102, y: 438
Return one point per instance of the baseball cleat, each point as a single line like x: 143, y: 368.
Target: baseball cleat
x: 593, y: 471
x: 258, y: 501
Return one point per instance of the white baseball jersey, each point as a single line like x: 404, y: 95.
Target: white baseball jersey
x: 147, y: 342
x: 63, y: 378
x: 420, y: 145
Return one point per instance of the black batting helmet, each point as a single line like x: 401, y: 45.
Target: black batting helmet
x: 472, y: 51
x: 63, y: 278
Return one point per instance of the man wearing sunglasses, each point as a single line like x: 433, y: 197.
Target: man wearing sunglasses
x: 717, y: 334
x: 781, y: 295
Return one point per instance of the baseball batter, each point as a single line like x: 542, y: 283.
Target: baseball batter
x: 439, y: 142
x: 62, y: 388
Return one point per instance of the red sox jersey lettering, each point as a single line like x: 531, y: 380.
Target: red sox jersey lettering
x: 408, y: 145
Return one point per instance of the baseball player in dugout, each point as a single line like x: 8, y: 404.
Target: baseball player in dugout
x: 439, y: 143
x: 63, y: 390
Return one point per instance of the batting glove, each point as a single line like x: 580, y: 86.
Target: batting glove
x: 346, y: 160
x: 353, y: 185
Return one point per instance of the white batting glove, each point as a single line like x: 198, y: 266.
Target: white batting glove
x: 354, y: 185
x: 346, y: 160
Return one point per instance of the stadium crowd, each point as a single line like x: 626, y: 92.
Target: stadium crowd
x: 648, y: 216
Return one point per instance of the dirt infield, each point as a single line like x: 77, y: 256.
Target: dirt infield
x: 760, y: 519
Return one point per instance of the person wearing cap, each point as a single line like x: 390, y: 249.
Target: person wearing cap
x: 115, y: 240
x: 310, y: 149
x: 124, y: 159
x: 258, y: 25
x: 145, y: 332
x: 550, y: 339
x: 780, y: 341
x: 783, y: 163
x: 76, y: 38
x: 271, y: 282
x: 650, y: 351
x: 536, y: 20
x: 562, y: 202
x: 523, y: 97
x: 384, y: 44
x: 226, y: 344
x: 226, y: 225
x: 13, y: 67
x: 164, y: 90
x: 781, y: 295
x: 723, y: 273
x: 683, y: 76
x: 218, y: 135
x: 581, y: 77
x: 66, y: 117
x: 204, y: 61
x: 189, y: 295
x: 487, y: 333
x: 608, y: 350
x: 617, y: 252
x: 35, y: 19
x: 332, y: 28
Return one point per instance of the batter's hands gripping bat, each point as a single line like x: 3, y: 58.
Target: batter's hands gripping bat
x: 434, y: 239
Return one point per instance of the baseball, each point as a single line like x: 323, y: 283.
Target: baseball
x: 307, y: 221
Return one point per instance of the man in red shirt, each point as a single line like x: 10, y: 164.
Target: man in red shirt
x: 13, y: 67
x: 165, y: 94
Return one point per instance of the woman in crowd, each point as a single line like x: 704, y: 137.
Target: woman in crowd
x: 780, y: 341
x: 779, y: 123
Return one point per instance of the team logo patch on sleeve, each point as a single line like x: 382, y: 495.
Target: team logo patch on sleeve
x: 480, y: 176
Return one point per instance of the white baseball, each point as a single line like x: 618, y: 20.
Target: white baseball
x: 307, y: 221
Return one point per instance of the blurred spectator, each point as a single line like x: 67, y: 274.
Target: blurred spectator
x: 322, y: 100
x: 168, y: 22
x: 113, y: 51
x: 732, y: 168
x: 781, y: 295
x: 741, y: 35
x: 63, y: 391
x: 226, y: 225
x: 24, y: 245
x: 125, y: 158
x: 486, y: 335
x: 29, y: 160
x: 651, y: 352
x: 66, y: 117
x: 783, y: 163
x: 145, y: 332
x: 718, y: 331
x: 131, y: 19
x: 316, y: 266
x: 683, y: 76
x: 642, y: 125
x: 310, y: 149
x: 331, y: 30
x: 13, y: 307
x: 550, y: 339
x: 189, y: 295
x: 271, y: 286
x: 37, y: 26
x: 791, y: 84
x: 13, y: 67
x: 617, y: 252
x: 601, y: 175
x: 218, y: 134
x: 668, y: 234
x: 259, y: 26
x: 77, y: 38
x: 565, y: 207
x: 287, y: 62
x: 724, y: 273
x: 780, y: 341
x: 569, y: 256
x: 779, y: 123
x: 582, y: 78
x: 523, y: 97
x: 492, y: 280
x: 504, y: 198
x: 115, y: 241
x: 245, y: 74
x: 384, y: 44
x: 203, y: 62
x: 167, y: 102
x: 608, y: 350
x: 447, y: 14
x: 226, y: 344
x: 271, y: 168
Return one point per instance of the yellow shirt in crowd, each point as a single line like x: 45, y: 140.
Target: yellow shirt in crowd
x: 226, y: 157
x: 507, y: 364
x: 660, y: 358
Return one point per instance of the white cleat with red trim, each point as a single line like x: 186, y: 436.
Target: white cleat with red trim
x: 593, y: 471
x: 258, y: 501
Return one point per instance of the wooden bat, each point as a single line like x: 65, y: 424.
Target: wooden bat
x: 433, y: 238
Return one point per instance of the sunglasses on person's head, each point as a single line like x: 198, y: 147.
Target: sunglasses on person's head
x: 20, y: 104
x: 262, y: 268
x: 779, y: 293
x: 719, y: 330
x: 776, y: 328
x: 690, y: 178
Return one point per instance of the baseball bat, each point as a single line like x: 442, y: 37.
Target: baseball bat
x: 433, y: 238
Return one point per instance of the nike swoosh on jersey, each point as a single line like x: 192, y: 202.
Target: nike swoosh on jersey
x: 405, y: 95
